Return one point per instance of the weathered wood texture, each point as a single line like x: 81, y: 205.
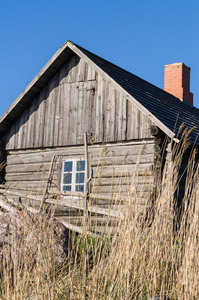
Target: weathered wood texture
x: 2, y: 163
x: 122, y: 172
x: 77, y: 100
x: 119, y: 168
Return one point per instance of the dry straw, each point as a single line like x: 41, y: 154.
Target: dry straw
x: 144, y: 257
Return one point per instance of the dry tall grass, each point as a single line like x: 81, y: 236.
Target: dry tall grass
x: 138, y: 262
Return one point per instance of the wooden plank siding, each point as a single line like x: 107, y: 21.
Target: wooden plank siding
x: 120, y: 172
x: 77, y: 99
x: 114, y: 168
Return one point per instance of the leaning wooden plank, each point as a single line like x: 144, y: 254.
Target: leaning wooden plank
x: 22, y: 195
x: 5, y: 205
x: 13, y: 203
x: 15, y: 191
x: 49, y: 181
x: 109, y: 212
x: 97, y: 210
x: 76, y: 228
x: 8, y: 207
x: 16, y: 188
x: 17, y: 194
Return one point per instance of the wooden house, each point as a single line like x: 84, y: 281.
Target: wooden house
x: 126, y: 120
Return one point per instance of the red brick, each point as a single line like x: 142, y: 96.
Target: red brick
x: 177, y: 81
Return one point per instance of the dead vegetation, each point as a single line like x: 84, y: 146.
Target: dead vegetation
x: 144, y: 257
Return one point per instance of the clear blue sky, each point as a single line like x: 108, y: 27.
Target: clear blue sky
x: 138, y: 35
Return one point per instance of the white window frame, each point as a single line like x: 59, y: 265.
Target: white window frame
x: 73, y: 172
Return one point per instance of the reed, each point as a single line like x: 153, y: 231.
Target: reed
x: 142, y: 258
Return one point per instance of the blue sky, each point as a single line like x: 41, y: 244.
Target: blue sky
x: 140, y: 36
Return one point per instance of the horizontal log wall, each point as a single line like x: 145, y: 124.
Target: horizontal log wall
x: 122, y: 172
x: 77, y: 100
x: 113, y: 166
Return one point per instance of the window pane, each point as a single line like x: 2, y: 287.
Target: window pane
x: 68, y: 165
x: 79, y: 188
x: 81, y: 165
x: 67, y: 178
x: 67, y: 188
x: 79, y: 178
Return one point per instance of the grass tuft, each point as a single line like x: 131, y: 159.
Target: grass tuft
x: 140, y: 260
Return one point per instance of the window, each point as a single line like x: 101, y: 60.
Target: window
x: 73, y: 175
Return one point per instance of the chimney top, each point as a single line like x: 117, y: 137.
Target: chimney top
x: 177, y: 81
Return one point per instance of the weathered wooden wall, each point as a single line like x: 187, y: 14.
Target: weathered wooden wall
x: 2, y: 163
x: 122, y: 169
x: 77, y: 99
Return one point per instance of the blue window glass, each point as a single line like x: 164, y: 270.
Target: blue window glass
x: 79, y: 178
x: 81, y: 165
x: 67, y: 178
x: 68, y: 165
x: 67, y: 188
x: 79, y: 188
x: 73, y: 175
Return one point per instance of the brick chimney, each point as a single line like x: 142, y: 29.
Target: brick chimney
x: 177, y: 81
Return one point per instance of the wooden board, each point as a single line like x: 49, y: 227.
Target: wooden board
x: 77, y: 99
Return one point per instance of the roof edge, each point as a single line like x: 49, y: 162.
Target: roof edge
x: 35, y: 79
x: 130, y: 98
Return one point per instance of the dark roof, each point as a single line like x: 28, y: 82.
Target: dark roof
x: 170, y: 110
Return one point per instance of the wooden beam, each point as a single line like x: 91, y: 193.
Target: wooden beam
x: 8, y: 207
x: 75, y: 228
x: 86, y: 181
x: 92, y: 209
